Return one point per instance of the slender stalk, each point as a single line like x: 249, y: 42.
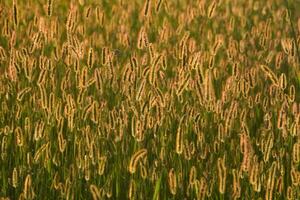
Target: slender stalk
x: 292, y: 27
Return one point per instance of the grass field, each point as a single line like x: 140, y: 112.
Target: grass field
x: 149, y: 99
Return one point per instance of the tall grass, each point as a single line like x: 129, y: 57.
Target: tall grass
x: 149, y: 99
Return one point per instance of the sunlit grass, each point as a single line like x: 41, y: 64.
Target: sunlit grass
x: 149, y: 99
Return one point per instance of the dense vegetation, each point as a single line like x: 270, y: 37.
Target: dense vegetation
x: 152, y: 99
